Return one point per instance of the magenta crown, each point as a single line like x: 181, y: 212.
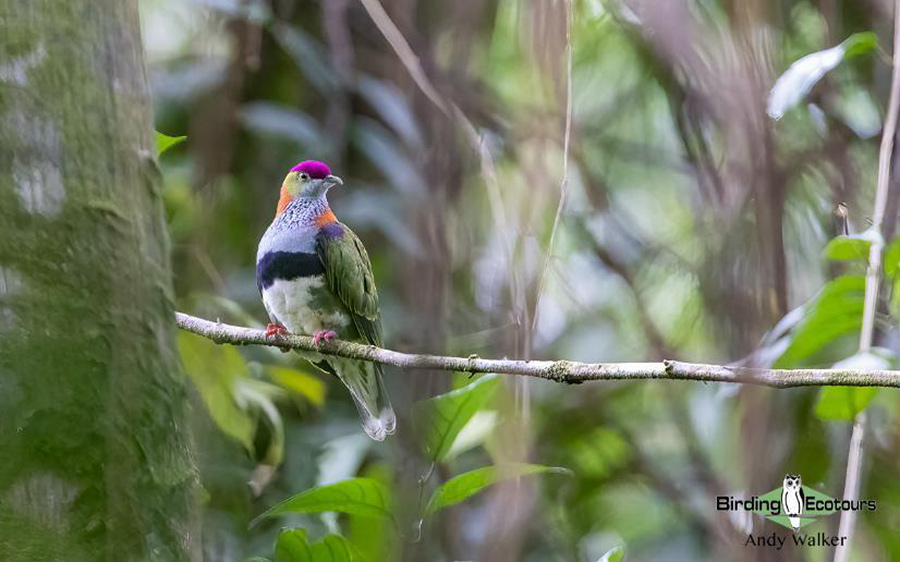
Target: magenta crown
x: 314, y: 168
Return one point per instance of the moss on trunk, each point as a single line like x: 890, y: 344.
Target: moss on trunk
x: 96, y: 459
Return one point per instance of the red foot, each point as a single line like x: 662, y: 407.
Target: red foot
x: 275, y: 331
x: 326, y: 335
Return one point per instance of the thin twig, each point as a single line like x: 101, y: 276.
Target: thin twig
x: 413, y: 66
x: 523, y: 392
x: 564, y: 182
x: 851, y: 486
x: 407, y: 56
x: 563, y: 371
x: 873, y: 283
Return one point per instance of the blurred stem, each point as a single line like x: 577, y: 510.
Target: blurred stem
x: 340, y: 42
x: 851, y: 486
x: 407, y: 56
x: 873, y: 282
x: 410, y: 61
x: 564, y: 182
x: 423, y: 481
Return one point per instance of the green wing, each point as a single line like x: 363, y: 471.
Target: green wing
x: 349, y: 275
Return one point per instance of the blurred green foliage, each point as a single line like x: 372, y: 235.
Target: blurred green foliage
x: 446, y: 414
x: 293, y: 546
x: 467, y: 484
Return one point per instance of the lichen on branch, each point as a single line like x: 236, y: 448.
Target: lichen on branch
x: 563, y: 371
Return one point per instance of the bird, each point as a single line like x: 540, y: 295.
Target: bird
x: 315, y: 278
x: 792, y: 499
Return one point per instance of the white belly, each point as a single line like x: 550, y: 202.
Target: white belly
x: 298, y: 305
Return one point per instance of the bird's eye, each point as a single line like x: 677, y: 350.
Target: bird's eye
x: 304, y: 176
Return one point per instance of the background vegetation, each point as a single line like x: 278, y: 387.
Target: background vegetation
x: 693, y: 225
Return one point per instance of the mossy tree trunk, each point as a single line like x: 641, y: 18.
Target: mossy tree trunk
x: 95, y: 461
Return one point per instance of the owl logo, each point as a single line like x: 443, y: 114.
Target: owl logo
x: 792, y: 499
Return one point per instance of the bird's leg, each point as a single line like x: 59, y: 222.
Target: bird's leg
x: 326, y: 335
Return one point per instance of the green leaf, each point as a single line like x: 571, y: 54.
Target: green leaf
x: 892, y: 259
x: 293, y: 546
x: 214, y: 370
x: 306, y: 385
x: 598, y: 453
x: 374, y: 538
x: 844, y: 402
x: 853, y: 246
x: 470, y: 483
x: 615, y: 554
x: 835, y: 312
x: 356, y: 496
x: 474, y: 433
x: 165, y: 142
x: 792, y: 86
x: 848, y: 248
x: 444, y: 416
x: 333, y: 548
x: 860, y: 43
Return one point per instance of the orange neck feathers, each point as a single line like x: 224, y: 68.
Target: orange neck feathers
x: 319, y: 212
x: 283, y: 201
x: 326, y: 217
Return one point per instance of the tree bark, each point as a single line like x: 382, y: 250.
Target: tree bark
x: 96, y: 460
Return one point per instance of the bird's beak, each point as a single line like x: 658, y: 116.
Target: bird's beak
x: 333, y: 180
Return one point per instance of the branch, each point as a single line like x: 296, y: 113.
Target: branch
x: 571, y: 372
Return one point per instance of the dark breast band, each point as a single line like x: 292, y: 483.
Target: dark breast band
x: 286, y: 266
